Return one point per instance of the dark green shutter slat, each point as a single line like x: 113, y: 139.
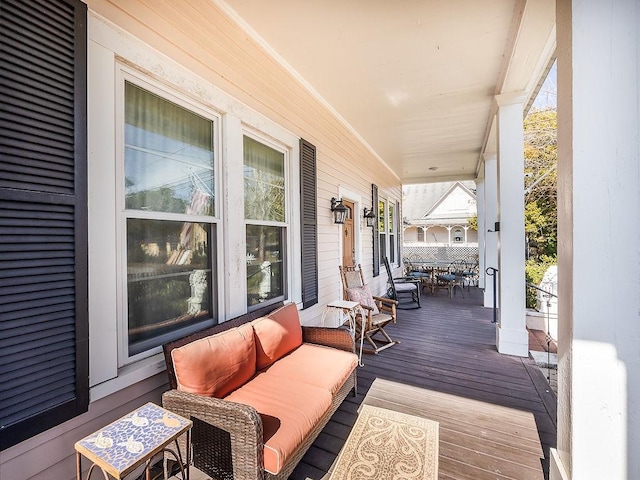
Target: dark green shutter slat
x: 309, y: 234
x: 43, y: 216
x: 376, y: 231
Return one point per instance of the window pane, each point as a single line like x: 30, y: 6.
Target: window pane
x: 383, y: 247
x: 168, y: 280
x: 381, y: 217
x: 392, y: 230
x: 168, y: 156
x: 263, y: 182
x: 392, y: 249
x: 265, y: 268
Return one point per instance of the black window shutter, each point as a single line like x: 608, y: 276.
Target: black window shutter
x: 309, y: 224
x: 43, y: 216
x: 376, y: 231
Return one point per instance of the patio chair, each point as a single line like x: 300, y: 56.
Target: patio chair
x: 449, y: 278
x: 402, y: 287
x: 416, y: 269
x: 469, y: 271
x: 376, y: 312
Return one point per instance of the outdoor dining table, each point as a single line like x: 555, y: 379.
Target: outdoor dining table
x: 436, y: 274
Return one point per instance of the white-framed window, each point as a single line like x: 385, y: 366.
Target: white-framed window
x: 458, y: 235
x: 388, y: 230
x: 266, y: 220
x: 382, y: 228
x: 392, y: 228
x: 212, y: 241
x: 169, y: 223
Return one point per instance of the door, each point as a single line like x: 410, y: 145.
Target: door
x: 348, y: 237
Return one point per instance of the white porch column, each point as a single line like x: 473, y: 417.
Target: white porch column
x: 598, y: 231
x: 482, y: 231
x: 511, y: 334
x: 491, y: 217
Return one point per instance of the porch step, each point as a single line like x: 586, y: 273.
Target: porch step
x: 544, y: 359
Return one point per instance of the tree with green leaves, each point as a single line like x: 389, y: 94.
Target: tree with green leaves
x: 541, y: 198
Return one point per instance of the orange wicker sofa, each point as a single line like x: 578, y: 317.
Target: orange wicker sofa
x: 259, y: 389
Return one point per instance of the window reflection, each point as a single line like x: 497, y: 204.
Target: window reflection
x: 168, y: 279
x: 168, y: 156
x: 265, y: 269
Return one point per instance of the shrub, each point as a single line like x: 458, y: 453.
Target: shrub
x: 534, y: 271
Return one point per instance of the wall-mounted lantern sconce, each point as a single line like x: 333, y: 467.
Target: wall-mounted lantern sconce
x: 369, y: 217
x: 339, y: 211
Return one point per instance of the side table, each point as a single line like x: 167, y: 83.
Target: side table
x: 348, y: 312
x: 124, y: 445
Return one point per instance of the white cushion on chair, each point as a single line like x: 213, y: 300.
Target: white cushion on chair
x: 405, y: 287
x: 363, y: 296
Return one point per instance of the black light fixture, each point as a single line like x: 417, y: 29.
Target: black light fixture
x: 369, y: 217
x: 339, y: 210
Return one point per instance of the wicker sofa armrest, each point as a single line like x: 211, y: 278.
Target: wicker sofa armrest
x: 227, y: 437
x: 330, y: 337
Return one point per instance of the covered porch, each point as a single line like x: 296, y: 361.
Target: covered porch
x: 373, y: 96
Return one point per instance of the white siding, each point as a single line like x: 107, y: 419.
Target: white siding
x: 198, y: 51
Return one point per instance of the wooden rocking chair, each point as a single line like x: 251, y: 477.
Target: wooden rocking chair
x: 378, y: 312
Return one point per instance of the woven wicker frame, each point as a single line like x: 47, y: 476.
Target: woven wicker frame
x: 227, y: 437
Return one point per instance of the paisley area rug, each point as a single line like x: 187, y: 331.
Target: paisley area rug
x: 388, y: 445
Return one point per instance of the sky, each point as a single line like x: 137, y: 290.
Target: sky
x: 548, y: 95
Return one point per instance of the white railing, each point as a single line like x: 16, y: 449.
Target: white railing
x: 440, y: 244
x: 444, y: 252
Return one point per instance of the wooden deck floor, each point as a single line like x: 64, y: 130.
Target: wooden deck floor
x: 448, y: 347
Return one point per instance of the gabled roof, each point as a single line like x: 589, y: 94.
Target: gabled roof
x: 421, y: 202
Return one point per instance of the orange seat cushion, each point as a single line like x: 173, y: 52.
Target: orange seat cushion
x: 289, y: 410
x: 323, y: 367
x: 276, y: 335
x: 216, y: 365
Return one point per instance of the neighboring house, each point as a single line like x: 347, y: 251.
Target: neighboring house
x: 437, y: 214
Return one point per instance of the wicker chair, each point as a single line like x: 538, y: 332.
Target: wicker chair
x: 378, y: 312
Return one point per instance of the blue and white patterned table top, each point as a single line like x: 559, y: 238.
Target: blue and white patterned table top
x: 125, y: 444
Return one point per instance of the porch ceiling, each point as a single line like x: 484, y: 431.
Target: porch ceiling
x: 415, y: 79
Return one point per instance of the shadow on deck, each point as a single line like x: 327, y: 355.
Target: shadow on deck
x: 448, y: 346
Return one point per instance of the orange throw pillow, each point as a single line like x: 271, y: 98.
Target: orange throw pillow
x: 216, y: 365
x: 277, y: 334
